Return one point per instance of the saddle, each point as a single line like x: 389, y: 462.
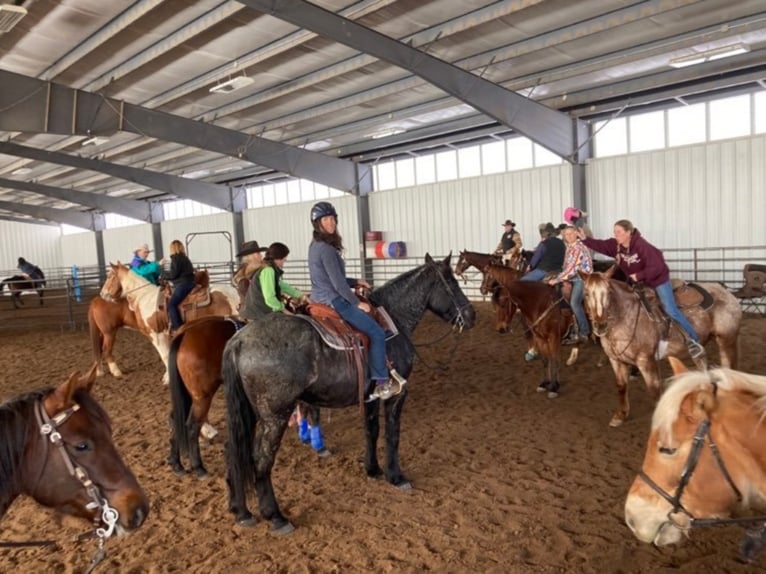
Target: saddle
x: 198, y: 297
x: 686, y: 295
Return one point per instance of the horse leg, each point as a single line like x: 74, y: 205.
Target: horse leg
x: 197, y: 415
x: 651, y: 372
x: 109, y: 340
x: 315, y: 431
x: 174, y: 458
x: 621, y: 371
x: 40, y: 293
x: 371, y: 431
x: 728, y: 349
x: 393, y: 412
x: 268, y: 436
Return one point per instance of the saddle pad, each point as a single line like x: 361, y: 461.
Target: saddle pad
x: 336, y: 333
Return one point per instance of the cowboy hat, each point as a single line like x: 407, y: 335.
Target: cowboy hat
x: 144, y: 247
x: 249, y: 247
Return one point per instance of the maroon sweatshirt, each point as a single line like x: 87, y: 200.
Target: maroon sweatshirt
x: 641, y: 258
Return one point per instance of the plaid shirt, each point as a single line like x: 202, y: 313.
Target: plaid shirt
x: 577, y: 258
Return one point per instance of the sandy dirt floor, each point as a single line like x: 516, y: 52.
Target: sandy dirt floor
x: 506, y: 480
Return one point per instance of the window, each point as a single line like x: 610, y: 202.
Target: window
x: 425, y: 169
x: 759, y: 103
x: 647, y: 131
x: 385, y: 175
x: 293, y: 191
x: 183, y: 208
x: 493, y: 157
x: 686, y: 125
x: 405, y: 172
x: 307, y: 190
x: 268, y: 195
x: 280, y: 193
x: 446, y: 165
x: 67, y: 229
x: 255, y: 196
x: 545, y: 157
x: 321, y: 191
x: 730, y: 117
x: 611, y: 137
x: 469, y: 161
x: 519, y: 153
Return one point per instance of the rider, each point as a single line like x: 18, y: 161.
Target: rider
x: 548, y: 256
x: 265, y: 293
x: 182, y: 275
x: 643, y: 263
x: 330, y: 286
x: 577, y: 259
x: 32, y: 271
x: 510, y: 243
x: 149, y: 270
x: 251, y: 258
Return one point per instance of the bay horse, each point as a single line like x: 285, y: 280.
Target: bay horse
x: 683, y: 484
x: 194, y: 368
x: 630, y: 334
x: 56, y: 447
x: 143, y: 297
x: 20, y: 283
x: 105, y: 318
x: 540, y: 305
x: 278, y: 360
x: 501, y: 304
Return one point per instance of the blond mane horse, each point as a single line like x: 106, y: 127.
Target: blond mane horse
x: 142, y: 296
x: 630, y: 335
x: 705, y: 459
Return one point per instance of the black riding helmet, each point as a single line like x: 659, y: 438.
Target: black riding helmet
x: 322, y: 209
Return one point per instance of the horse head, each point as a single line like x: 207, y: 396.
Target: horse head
x: 73, y: 465
x: 111, y: 290
x: 446, y: 299
x: 461, y: 266
x: 597, y: 292
x: 682, y: 480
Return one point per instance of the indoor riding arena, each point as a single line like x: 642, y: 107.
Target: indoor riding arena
x: 411, y: 136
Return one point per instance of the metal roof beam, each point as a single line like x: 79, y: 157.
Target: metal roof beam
x: 34, y: 106
x: 140, y: 210
x: 91, y: 221
x: 208, y: 193
x: 27, y: 221
x: 552, y: 129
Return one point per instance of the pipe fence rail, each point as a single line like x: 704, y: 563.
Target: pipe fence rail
x: 69, y: 290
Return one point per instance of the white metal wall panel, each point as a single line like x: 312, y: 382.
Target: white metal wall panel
x: 291, y: 225
x: 79, y: 249
x: 213, y: 243
x: 120, y: 242
x: 468, y: 213
x: 704, y: 195
x: 39, y: 244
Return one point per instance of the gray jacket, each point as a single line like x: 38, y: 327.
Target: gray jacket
x: 328, y: 275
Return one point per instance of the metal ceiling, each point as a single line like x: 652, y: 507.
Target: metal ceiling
x: 145, y: 68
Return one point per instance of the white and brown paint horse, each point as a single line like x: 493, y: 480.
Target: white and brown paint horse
x: 630, y: 334
x: 142, y: 296
x: 705, y: 459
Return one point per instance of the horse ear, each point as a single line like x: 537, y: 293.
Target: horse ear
x: 582, y: 275
x: 429, y: 259
x: 86, y: 381
x: 447, y: 259
x: 698, y: 406
x: 61, y: 397
x: 609, y: 272
x: 677, y: 365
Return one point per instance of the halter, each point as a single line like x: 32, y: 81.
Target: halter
x: 703, y: 433
x: 459, y: 321
x: 109, y: 516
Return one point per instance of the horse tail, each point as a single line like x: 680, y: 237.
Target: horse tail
x: 96, y: 338
x: 180, y: 399
x: 241, y: 419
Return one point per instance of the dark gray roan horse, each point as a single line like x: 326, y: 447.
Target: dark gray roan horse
x: 278, y: 360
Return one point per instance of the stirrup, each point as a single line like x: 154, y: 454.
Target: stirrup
x: 385, y: 391
x: 696, y: 350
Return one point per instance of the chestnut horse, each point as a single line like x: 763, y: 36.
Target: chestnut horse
x: 20, y: 283
x: 56, y: 446
x: 105, y: 318
x: 143, y: 297
x: 683, y: 484
x: 630, y: 334
x: 500, y: 302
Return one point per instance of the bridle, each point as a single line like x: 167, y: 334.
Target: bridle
x: 701, y: 436
x: 459, y: 321
x: 107, y: 516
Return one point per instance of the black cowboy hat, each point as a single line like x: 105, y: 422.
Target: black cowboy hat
x: 249, y: 247
x: 509, y: 222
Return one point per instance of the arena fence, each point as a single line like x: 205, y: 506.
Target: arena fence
x: 69, y: 290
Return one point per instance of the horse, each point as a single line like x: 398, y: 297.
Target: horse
x: 500, y: 302
x: 682, y: 484
x: 539, y: 304
x: 143, y: 296
x: 56, y: 447
x: 19, y: 283
x: 630, y: 334
x: 104, y: 320
x: 194, y: 369
x: 278, y: 360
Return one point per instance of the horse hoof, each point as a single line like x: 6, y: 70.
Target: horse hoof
x: 529, y: 356
x: 405, y: 485
x: 324, y: 453
x: 178, y: 470
x: 616, y: 422
x: 201, y: 474
x: 283, y: 530
x: 553, y: 394
x: 247, y: 522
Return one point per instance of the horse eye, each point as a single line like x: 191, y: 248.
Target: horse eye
x: 667, y: 450
x: 83, y: 446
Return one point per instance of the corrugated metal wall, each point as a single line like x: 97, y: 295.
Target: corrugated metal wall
x: 704, y: 195
x: 39, y: 244
x: 119, y: 243
x: 213, y: 242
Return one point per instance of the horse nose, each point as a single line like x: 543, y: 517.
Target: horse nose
x: 139, y: 514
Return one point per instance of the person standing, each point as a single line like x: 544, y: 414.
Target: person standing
x: 181, y: 274
x: 149, y: 270
x: 644, y: 263
x: 576, y: 259
x: 510, y: 243
x: 330, y: 286
x: 548, y: 256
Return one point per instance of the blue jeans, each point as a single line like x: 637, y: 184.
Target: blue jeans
x: 179, y: 293
x: 578, y: 290
x: 362, y: 321
x: 534, y: 275
x: 665, y: 293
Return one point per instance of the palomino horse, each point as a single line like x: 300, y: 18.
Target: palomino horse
x: 56, y: 446
x: 682, y: 484
x: 278, y: 360
x: 194, y: 366
x: 540, y: 305
x: 143, y: 296
x: 500, y: 302
x: 104, y: 320
x: 630, y: 334
x: 19, y: 283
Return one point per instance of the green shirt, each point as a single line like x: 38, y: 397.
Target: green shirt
x: 268, y: 284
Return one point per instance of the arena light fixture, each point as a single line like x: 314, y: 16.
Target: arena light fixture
x: 709, y: 55
x: 232, y: 85
x: 10, y: 15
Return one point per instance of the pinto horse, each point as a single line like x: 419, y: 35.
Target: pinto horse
x: 56, y: 446
x: 630, y: 334
x: 19, y: 283
x: 500, y: 302
x: 683, y: 484
x: 278, y: 360
x: 143, y: 296
x: 539, y: 304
